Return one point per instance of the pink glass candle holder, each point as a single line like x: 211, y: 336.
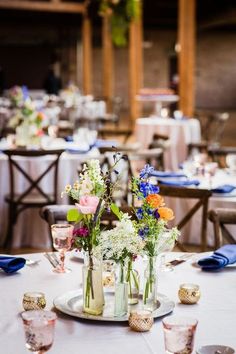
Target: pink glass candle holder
x: 179, y: 334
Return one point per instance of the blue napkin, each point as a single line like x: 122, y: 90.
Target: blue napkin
x: 226, y: 188
x: 11, y: 264
x: 219, y: 259
x: 179, y: 183
x: 162, y: 174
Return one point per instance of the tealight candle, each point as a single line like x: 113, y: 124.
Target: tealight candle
x: 34, y: 301
x: 189, y: 293
x: 141, y: 320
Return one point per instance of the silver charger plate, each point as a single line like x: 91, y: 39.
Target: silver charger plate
x: 71, y: 303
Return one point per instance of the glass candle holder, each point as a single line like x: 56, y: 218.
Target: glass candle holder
x: 141, y: 321
x: 33, y: 301
x: 189, y: 293
x: 39, y: 330
x: 179, y: 334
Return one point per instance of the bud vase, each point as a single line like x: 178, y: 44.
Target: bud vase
x: 150, y: 285
x: 93, y: 297
x: 132, y: 279
x: 121, y: 291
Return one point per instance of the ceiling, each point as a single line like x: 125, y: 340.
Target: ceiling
x: 211, y: 14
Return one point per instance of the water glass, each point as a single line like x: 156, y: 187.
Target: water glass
x: 62, y: 236
x: 39, y: 330
x: 179, y: 334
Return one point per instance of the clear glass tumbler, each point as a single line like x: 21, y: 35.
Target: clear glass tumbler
x: 179, y: 334
x: 39, y: 330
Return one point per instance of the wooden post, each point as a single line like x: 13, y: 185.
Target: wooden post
x: 108, y: 68
x: 135, y: 64
x: 186, y: 55
x: 87, y: 55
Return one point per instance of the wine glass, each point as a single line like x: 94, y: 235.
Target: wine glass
x: 167, y: 245
x: 62, y: 236
x: 39, y: 330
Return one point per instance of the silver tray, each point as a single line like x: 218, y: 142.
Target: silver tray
x: 71, y: 303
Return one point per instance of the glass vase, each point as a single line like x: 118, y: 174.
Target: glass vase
x: 121, y: 291
x: 93, y: 297
x: 150, y: 285
x: 132, y: 279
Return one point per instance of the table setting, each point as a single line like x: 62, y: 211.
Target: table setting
x: 115, y: 292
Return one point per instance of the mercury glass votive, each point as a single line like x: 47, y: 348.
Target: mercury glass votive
x: 34, y: 301
x: 141, y: 320
x: 189, y: 293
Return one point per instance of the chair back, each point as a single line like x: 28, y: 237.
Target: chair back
x: 219, y: 154
x: 34, y: 183
x: 201, y: 196
x: 221, y: 217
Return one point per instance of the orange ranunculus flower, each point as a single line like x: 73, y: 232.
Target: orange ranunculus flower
x: 155, y: 200
x: 166, y: 213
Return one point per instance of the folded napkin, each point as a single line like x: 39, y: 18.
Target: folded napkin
x: 180, y: 183
x: 11, y: 264
x: 162, y: 174
x: 219, y: 259
x: 226, y: 188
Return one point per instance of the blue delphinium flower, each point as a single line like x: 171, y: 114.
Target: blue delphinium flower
x: 156, y: 214
x: 139, y: 213
x: 143, y: 232
x: 146, y: 171
x: 147, y: 188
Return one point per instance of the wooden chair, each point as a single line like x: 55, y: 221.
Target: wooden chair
x: 201, y: 196
x: 219, y: 154
x: 17, y: 202
x: 221, y: 217
x: 212, y: 127
x: 119, y: 133
x: 54, y: 214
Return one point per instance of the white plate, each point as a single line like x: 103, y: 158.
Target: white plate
x: 215, y: 349
x: 71, y: 304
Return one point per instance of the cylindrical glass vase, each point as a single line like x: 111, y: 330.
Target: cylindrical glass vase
x: 150, y: 285
x: 93, y: 297
x: 121, y: 291
x: 132, y: 279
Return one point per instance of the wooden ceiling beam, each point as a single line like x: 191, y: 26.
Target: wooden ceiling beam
x: 50, y: 6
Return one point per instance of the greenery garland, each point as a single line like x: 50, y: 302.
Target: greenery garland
x: 121, y: 12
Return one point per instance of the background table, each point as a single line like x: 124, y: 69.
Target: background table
x: 190, y: 233
x: 31, y: 230
x: 215, y: 311
x: 180, y: 132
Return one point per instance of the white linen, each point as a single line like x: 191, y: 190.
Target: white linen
x: 31, y: 230
x: 180, y: 133
x: 215, y: 311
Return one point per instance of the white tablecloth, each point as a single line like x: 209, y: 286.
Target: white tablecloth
x: 180, y: 132
x: 31, y: 230
x: 216, y: 311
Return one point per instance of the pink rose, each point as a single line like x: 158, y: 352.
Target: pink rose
x: 87, y: 204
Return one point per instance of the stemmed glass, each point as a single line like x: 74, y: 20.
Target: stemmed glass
x: 166, y: 246
x: 39, y: 330
x: 62, y: 236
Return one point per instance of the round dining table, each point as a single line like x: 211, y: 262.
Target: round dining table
x: 215, y: 310
x: 180, y: 132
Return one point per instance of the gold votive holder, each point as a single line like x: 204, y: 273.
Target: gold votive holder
x: 34, y: 301
x: 141, y: 320
x: 189, y: 293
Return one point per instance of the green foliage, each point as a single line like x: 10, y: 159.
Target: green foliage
x: 73, y: 215
x: 122, y: 12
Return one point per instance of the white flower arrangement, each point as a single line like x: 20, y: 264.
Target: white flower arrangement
x: 122, y: 242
